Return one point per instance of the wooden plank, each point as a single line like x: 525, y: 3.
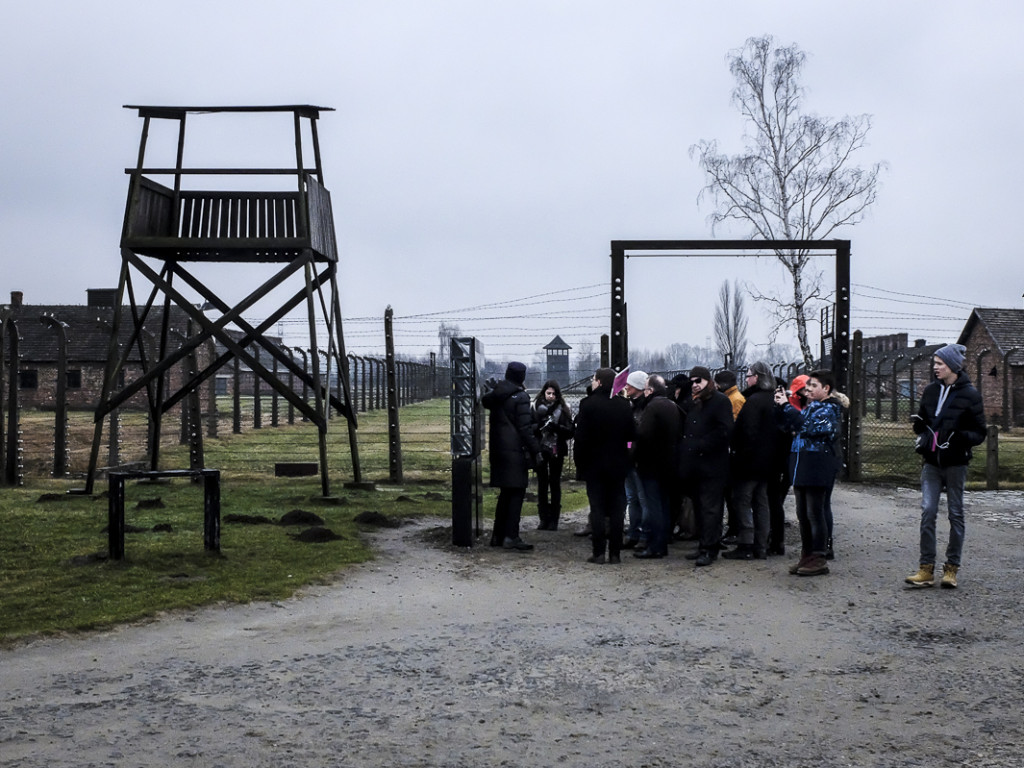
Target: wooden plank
x: 185, y: 227
x: 223, y: 204
x: 279, y: 228
x: 295, y: 468
x: 234, y: 204
x: 204, y: 221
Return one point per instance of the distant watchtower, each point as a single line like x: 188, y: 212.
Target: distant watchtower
x: 558, y: 360
x: 168, y: 228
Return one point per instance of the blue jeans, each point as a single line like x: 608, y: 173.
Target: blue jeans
x: 933, y: 480
x: 656, y: 521
x: 636, y: 505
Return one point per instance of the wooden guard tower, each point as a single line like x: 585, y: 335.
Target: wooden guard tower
x: 168, y: 228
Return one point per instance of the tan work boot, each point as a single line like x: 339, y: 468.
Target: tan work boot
x: 949, y: 575
x: 925, y: 576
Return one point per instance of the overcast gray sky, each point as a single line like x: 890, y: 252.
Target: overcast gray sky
x: 486, y: 152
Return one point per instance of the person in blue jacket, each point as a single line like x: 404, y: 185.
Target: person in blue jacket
x: 812, y: 465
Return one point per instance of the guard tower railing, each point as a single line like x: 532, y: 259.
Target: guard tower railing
x: 163, y: 220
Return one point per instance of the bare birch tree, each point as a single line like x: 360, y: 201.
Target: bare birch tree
x: 731, y: 326
x: 794, y: 180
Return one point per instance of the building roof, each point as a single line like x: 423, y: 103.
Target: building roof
x: 1005, y: 326
x: 88, y: 332
x: 557, y: 343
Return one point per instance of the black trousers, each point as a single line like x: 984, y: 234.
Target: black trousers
x: 708, y: 496
x: 507, y: 513
x: 607, y: 498
x: 549, y: 489
x: 778, y: 489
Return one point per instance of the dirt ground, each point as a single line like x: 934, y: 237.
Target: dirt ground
x: 436, y: 656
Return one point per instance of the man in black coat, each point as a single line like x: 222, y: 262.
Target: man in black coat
x: 704, y: 460
x: 604, y: 429
x: 755, y: 445
x: 948, y: 424
x: 513, y: 452
x: 654, y: 453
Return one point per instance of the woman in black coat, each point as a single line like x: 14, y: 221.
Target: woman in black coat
x: 513, y: 450
x: 553, y: 426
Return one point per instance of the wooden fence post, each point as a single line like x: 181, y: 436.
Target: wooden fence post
x: 992, y: 458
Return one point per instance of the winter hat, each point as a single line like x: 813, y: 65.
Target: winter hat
x: 953, y: 356
x: 725, y: 379
x: 637, y: 380
x: 680, y: 381
x: 700, y: 372
x: 516, y: 373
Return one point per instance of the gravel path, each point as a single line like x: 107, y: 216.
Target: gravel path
x: 433, y: 656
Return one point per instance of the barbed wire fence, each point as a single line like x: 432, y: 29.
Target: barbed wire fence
x: 886, y: 388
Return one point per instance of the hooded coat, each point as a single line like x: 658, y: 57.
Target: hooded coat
x: 814, y: 458
x: 513, y: 445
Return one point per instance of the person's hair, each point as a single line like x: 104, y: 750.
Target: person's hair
x: 606, y: 376
x: 550, y: 384
x: 725, y: 379
x: 765, y: 379
x: 825, y: 377
x: 657, y: 384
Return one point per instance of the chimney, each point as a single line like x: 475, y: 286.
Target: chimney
x: 17, y: 297
x: 101, y: 297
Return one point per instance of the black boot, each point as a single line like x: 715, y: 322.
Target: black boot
x: 742, y: 552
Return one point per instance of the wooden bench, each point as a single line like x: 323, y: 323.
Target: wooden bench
x: 211, y: 505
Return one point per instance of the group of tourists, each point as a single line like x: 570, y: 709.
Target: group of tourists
x: 698, y: 458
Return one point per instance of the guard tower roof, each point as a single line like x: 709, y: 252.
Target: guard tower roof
x: 305, y: 110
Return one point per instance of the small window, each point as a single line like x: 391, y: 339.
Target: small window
x: 28, y: 379
x: 74, y: 379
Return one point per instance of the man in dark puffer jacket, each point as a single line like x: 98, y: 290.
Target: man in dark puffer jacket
x: 513, y: 452
x: 948, y: 424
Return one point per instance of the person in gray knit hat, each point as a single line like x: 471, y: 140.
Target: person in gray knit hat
x: 953, y: 356
x: 950, y: 421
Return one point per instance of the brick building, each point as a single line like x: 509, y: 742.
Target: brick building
x: 87, y: 328
x: 995, y: 362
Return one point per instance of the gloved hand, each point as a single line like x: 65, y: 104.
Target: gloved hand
x: 538, y: 459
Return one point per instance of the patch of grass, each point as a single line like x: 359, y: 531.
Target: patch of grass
x: 52, y: 577
x: 888, y: 457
